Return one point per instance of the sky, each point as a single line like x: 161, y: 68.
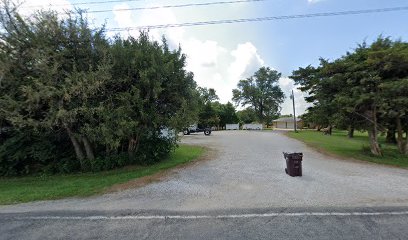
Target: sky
x: 221, y: 55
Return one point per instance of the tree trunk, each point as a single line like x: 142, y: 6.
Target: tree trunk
x: 374, y: 146
x: 350, y: 133
x: 88, y: 148
x: 406, y: 143
x: 78, y: 150
x: 390, y: 138
x: 330, y: 130
x: 133, y: 146
x: 372, y: 134
x: 402, y: 144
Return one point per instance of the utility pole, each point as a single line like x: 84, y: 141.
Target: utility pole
x: 294, y: 111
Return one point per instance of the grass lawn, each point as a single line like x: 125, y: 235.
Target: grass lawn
x: 25, y: 189
x: 357, y: 147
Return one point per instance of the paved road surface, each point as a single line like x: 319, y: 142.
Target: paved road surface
x: 245, y: 177
x: 248, y: 224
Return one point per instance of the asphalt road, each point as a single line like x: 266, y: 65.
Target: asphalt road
x: 241, y: 193
x: 246, y: 224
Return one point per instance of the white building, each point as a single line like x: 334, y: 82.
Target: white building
x: 252, y: 126
x: 232, y: 126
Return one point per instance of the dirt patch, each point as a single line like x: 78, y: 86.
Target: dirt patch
x: 208, y: 155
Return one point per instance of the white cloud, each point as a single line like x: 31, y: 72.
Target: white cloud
x: 217, y: 68
x: 202, y: 53
x: 122, y: 18
x: 26, y: 8
x: 247, y: 61
x: 213, y: 65
x: 159, y: 17
x: 287, y: 85
x: 205, y: 58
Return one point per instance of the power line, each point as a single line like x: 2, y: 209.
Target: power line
x: 178, y: 6
x: 84, y: 3
x: 145, y: 8
x: 272, y: 18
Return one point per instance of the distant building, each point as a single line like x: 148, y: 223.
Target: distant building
x: 287, y: 123
x: 252, y: 126
x: 232, y: 126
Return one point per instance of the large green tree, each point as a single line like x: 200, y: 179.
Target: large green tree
x: 54, y: 71
x: 66, y: 81
x: 208, y: 108
x: 392, y: 64
x: 150, y: 91
x: 364, y: 89
x: 261, y: 92
x: 228, y: 114
x: 247, y: 115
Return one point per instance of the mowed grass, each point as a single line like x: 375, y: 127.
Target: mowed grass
x: 358, y: 147
x: 25, y: 189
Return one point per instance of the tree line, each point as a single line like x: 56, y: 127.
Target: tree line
x: 73, y: 99
x: 260, y: 94
x: 365, y: 89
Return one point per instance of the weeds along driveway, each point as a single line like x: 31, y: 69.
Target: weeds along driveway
x: 246, y: 170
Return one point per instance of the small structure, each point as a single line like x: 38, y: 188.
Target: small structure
x: 252, y: 126
x: 232, y: 126
x: 287, y: 123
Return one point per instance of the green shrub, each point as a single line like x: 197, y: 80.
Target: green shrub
x: 26, y: 152
x: 153, y: 149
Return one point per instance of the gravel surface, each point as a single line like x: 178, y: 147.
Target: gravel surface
x: 247, y: 171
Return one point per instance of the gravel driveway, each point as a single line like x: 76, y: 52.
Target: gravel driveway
x: 247, y: 171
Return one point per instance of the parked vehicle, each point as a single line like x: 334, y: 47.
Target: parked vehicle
x: 195, y: 128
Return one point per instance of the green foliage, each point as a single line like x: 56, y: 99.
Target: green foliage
x: 29, y: 152
x: 262, y: 93
x: 207, y: 94
x: 339, y: 144
x: 208, y: 116
x: 76, y: 100
x: 228, y: 114
x: 212, y: 113
x: 154, y: 149
x: 364, y: 89
x: 247, y: 115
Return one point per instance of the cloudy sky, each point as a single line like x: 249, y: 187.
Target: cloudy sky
x: 221, y: 55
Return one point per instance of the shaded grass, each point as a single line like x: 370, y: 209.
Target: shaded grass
x: 25, y: 189
x: 357, y: 147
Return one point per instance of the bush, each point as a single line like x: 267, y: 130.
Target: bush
x: 26, y: 152
x: 109, y: 162
x: 154, y: 149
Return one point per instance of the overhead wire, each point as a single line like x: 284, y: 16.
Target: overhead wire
x: 145, y: 8
x: 178, y: 6
x: 259, y: 19
x: 84, y: 3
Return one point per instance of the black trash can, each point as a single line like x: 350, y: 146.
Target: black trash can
x: 293, y: 164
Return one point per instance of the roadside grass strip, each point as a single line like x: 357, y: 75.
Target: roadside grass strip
x: 356, y: 148
x: 26, y: 189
